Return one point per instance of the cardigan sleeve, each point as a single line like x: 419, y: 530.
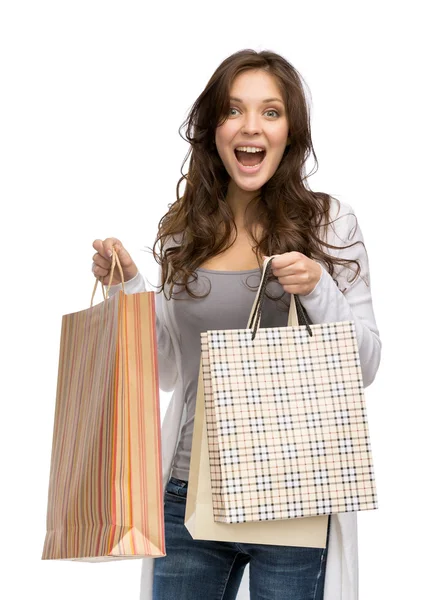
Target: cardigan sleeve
x: 339, y: 299
x: 165, y: 348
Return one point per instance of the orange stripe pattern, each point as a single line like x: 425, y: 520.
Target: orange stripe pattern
x: 105, y: 498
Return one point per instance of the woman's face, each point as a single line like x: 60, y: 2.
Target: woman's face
x: 256, y: 119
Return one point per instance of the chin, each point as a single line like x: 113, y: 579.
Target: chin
x: 250, y: 188
x: 253, y: 185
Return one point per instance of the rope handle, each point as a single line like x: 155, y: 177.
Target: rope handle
x: 115, y: 262
x: 295, y: 304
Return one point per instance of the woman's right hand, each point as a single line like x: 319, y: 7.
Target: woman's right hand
x: 103, y: 261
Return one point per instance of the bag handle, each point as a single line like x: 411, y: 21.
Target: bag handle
x: 115, y: 261
x: 295, y: 304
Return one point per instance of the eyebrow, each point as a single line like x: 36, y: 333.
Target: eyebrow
x: 264, y: 101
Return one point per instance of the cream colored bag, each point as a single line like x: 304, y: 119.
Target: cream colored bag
x: 308, y: 532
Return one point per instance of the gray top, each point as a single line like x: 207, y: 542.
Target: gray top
x: 227, y: 306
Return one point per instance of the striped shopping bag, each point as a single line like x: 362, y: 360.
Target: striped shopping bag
x: 105, y: 498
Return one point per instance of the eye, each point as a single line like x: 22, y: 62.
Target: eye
x: 267, y: 111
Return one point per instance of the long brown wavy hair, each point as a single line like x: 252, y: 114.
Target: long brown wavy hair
x: 290, y: 215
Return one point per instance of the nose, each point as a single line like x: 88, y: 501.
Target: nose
x: 251, y: 124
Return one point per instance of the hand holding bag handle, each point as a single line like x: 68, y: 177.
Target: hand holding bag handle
x: 295, y: 304
x: 115, y: 261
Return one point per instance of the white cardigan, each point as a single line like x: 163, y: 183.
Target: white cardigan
x: 328, y: 302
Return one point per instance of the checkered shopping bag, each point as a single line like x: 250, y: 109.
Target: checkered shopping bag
x: 286, y: 419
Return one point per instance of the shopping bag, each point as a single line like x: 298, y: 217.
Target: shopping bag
x: 199, y: 520
x: 105, y: 498
x: 286, y: 419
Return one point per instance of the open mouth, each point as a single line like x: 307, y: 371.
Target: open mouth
x: 250, y: 159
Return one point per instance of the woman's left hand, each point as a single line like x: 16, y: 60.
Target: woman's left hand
x: 297, y: 273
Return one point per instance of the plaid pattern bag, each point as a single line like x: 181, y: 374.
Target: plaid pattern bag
x: 286, y: 419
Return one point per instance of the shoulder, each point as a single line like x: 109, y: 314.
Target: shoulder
x: 172, y: 241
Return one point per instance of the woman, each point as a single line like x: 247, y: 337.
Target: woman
x: 246, y: 198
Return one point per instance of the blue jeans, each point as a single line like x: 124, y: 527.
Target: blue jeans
x: 208, y: 570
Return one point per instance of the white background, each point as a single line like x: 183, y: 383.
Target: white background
x: 92, y: 96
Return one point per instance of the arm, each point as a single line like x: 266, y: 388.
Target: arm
x: 329, y: 302
x: 165, y: 349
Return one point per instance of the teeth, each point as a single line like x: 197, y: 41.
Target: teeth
x: 249, y: 149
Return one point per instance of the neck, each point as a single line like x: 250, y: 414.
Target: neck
x: 238, y: 201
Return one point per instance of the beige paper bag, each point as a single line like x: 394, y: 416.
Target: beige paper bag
x: 105, y: 498
x: 199, y: 520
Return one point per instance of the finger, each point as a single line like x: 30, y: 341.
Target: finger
x: 99, y: 271
x: 98, y: 246
x: 284, y: 260
x: 290, y: 271
x: 124, y: 257
x: 289, y: 280
x: 264, y: 258
x: 294, y: 265
x: 109, y: 244
x: 101, y: 261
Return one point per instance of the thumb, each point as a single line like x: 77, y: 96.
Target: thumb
x: 128, y: 267
x: 123, y: 255
x: 273, y: 257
